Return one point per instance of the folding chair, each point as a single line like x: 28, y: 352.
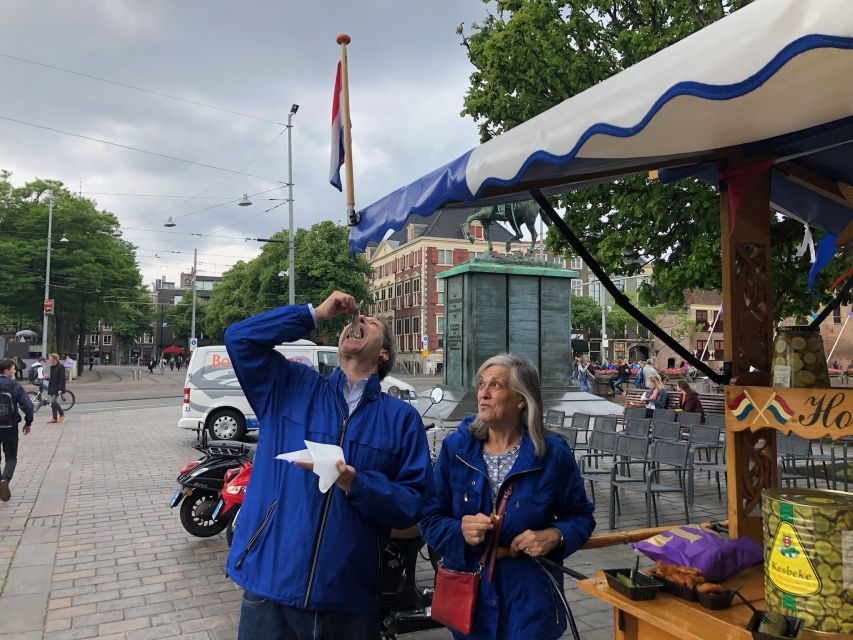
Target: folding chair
x: 664, y: 457
x: 638, y: 427
x: 792, y: 449
x: 701, y: 437
x: 602, y: 445
x: 688, y: 419
x: 554, y: 419
x: 635, y: 412
x: 630, y: 450
x: 580, y: 425
x: 665, y: 415
x: 715, y: 420
x: 670, y: 431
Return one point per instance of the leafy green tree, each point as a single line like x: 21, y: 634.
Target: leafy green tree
x: 586, y: 316
x: 530, y: 55
x: 94, y: 271
x: 131, y: 318
x: 322, y: 265
x: 180, y: 317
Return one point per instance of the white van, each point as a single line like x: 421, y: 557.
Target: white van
x: 213, y: 396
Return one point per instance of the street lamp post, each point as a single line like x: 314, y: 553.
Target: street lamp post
x: 47, y: 274
x: 291, y: 293
x: 192, y: 326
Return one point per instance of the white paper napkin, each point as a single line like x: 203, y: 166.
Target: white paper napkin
x: 323, y: 456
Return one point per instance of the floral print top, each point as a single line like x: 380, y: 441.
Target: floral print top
x: 499, y: 466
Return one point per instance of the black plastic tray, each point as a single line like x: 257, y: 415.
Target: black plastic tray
x: 715, y: 601
x: 677, y: 590
x: 793, y: 630
x: 646, y: 589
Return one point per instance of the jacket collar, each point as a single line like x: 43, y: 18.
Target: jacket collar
x: 471, y: 450
x: 371, y: 390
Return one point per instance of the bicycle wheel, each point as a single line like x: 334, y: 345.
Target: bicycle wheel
x: 35, y: 398
x: 66, y: 400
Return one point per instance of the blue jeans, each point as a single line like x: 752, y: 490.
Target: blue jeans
x: 262, y: 618
x: 585, y: 385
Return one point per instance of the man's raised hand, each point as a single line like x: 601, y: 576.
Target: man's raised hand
x: 336, y: 304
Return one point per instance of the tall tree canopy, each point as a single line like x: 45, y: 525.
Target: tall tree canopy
x: 322, y: 265
x: 95, y: 268
x: 530, y: 55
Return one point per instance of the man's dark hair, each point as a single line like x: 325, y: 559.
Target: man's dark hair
x: 6, y: 363
x: 388, y: 345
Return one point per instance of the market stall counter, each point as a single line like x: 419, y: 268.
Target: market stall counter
x: 670, y: 618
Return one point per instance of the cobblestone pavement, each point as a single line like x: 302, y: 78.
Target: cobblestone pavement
x: 89, y: 548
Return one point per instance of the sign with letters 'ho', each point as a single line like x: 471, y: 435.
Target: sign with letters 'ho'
x: 810, y: 413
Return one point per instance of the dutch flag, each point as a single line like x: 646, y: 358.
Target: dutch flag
x: 337, y: 135
x: 741, y: 406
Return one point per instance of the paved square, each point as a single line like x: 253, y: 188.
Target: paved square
x: 90, y: 549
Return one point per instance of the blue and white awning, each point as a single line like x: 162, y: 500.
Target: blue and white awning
x: 774, y: 79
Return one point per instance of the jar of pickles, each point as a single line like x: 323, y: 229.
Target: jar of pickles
x: 799, y: 359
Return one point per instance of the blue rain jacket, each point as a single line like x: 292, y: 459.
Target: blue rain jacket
x: 292, y: 544
x: 520, y: 601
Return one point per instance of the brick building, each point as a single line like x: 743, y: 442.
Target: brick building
x: 407, y: 296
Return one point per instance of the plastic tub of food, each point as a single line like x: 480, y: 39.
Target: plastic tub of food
x: 642, y: 587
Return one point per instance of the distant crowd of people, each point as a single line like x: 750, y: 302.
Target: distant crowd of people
x: 173, y: 362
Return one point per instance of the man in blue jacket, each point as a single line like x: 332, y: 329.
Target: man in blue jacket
x: 310, y: 562
x: 12, y: 398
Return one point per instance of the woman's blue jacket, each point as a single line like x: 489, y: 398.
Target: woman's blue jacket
x: 521, y: 601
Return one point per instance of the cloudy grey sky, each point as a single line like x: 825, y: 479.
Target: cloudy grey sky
x: 408, y: 75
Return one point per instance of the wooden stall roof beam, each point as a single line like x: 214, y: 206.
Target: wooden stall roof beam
x: 748, y: 339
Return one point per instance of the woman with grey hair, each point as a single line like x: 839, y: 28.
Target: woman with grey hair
x: 502, y: 456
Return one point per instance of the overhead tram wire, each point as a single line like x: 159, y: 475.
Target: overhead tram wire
x: 224, y: 180
x: 137, y: 149
x: 141, y: 89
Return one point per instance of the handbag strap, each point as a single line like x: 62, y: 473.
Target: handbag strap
x: 491, y: 550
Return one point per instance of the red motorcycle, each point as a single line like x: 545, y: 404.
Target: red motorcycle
x: 231, y: 497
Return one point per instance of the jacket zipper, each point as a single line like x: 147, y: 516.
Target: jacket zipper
x: 500, y: 488
x: 255, y: 536
x: 327, y: 501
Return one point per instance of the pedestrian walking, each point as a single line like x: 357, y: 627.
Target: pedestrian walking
x: 179, y: 362
x: 585, y: 374
x: 172, y: 363
x: 649, y: 372
x: 19, y: 368
x: 91, y: 362
x: 55, y: 386
x: 307, y: 559
x: 162, y: 365
x: 623, y: 374
x: 13, y: 398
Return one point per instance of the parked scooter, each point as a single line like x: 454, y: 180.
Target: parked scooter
x: 201, y: 484
x: 233, y: 490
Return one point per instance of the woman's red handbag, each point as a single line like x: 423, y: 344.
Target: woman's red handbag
x: 455, y: 596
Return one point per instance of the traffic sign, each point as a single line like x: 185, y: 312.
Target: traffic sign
x: 425, y: 341
x: 425, y: 353
x: 193, y: 343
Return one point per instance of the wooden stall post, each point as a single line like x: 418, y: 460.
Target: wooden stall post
x: 748, y: 340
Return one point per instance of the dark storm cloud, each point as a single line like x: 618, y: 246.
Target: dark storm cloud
x: 408, y: 75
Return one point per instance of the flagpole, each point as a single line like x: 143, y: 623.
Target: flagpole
x: 844, y: 326
x: 343, y: 40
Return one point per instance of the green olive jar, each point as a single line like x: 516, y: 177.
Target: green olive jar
x: 799, y: 359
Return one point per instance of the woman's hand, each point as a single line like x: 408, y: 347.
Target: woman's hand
x: 536, y: 543
x: 474, y: 528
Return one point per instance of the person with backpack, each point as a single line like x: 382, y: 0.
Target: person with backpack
x: 12, y: 398
x: 55, y: 386
x: 36, y: 373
